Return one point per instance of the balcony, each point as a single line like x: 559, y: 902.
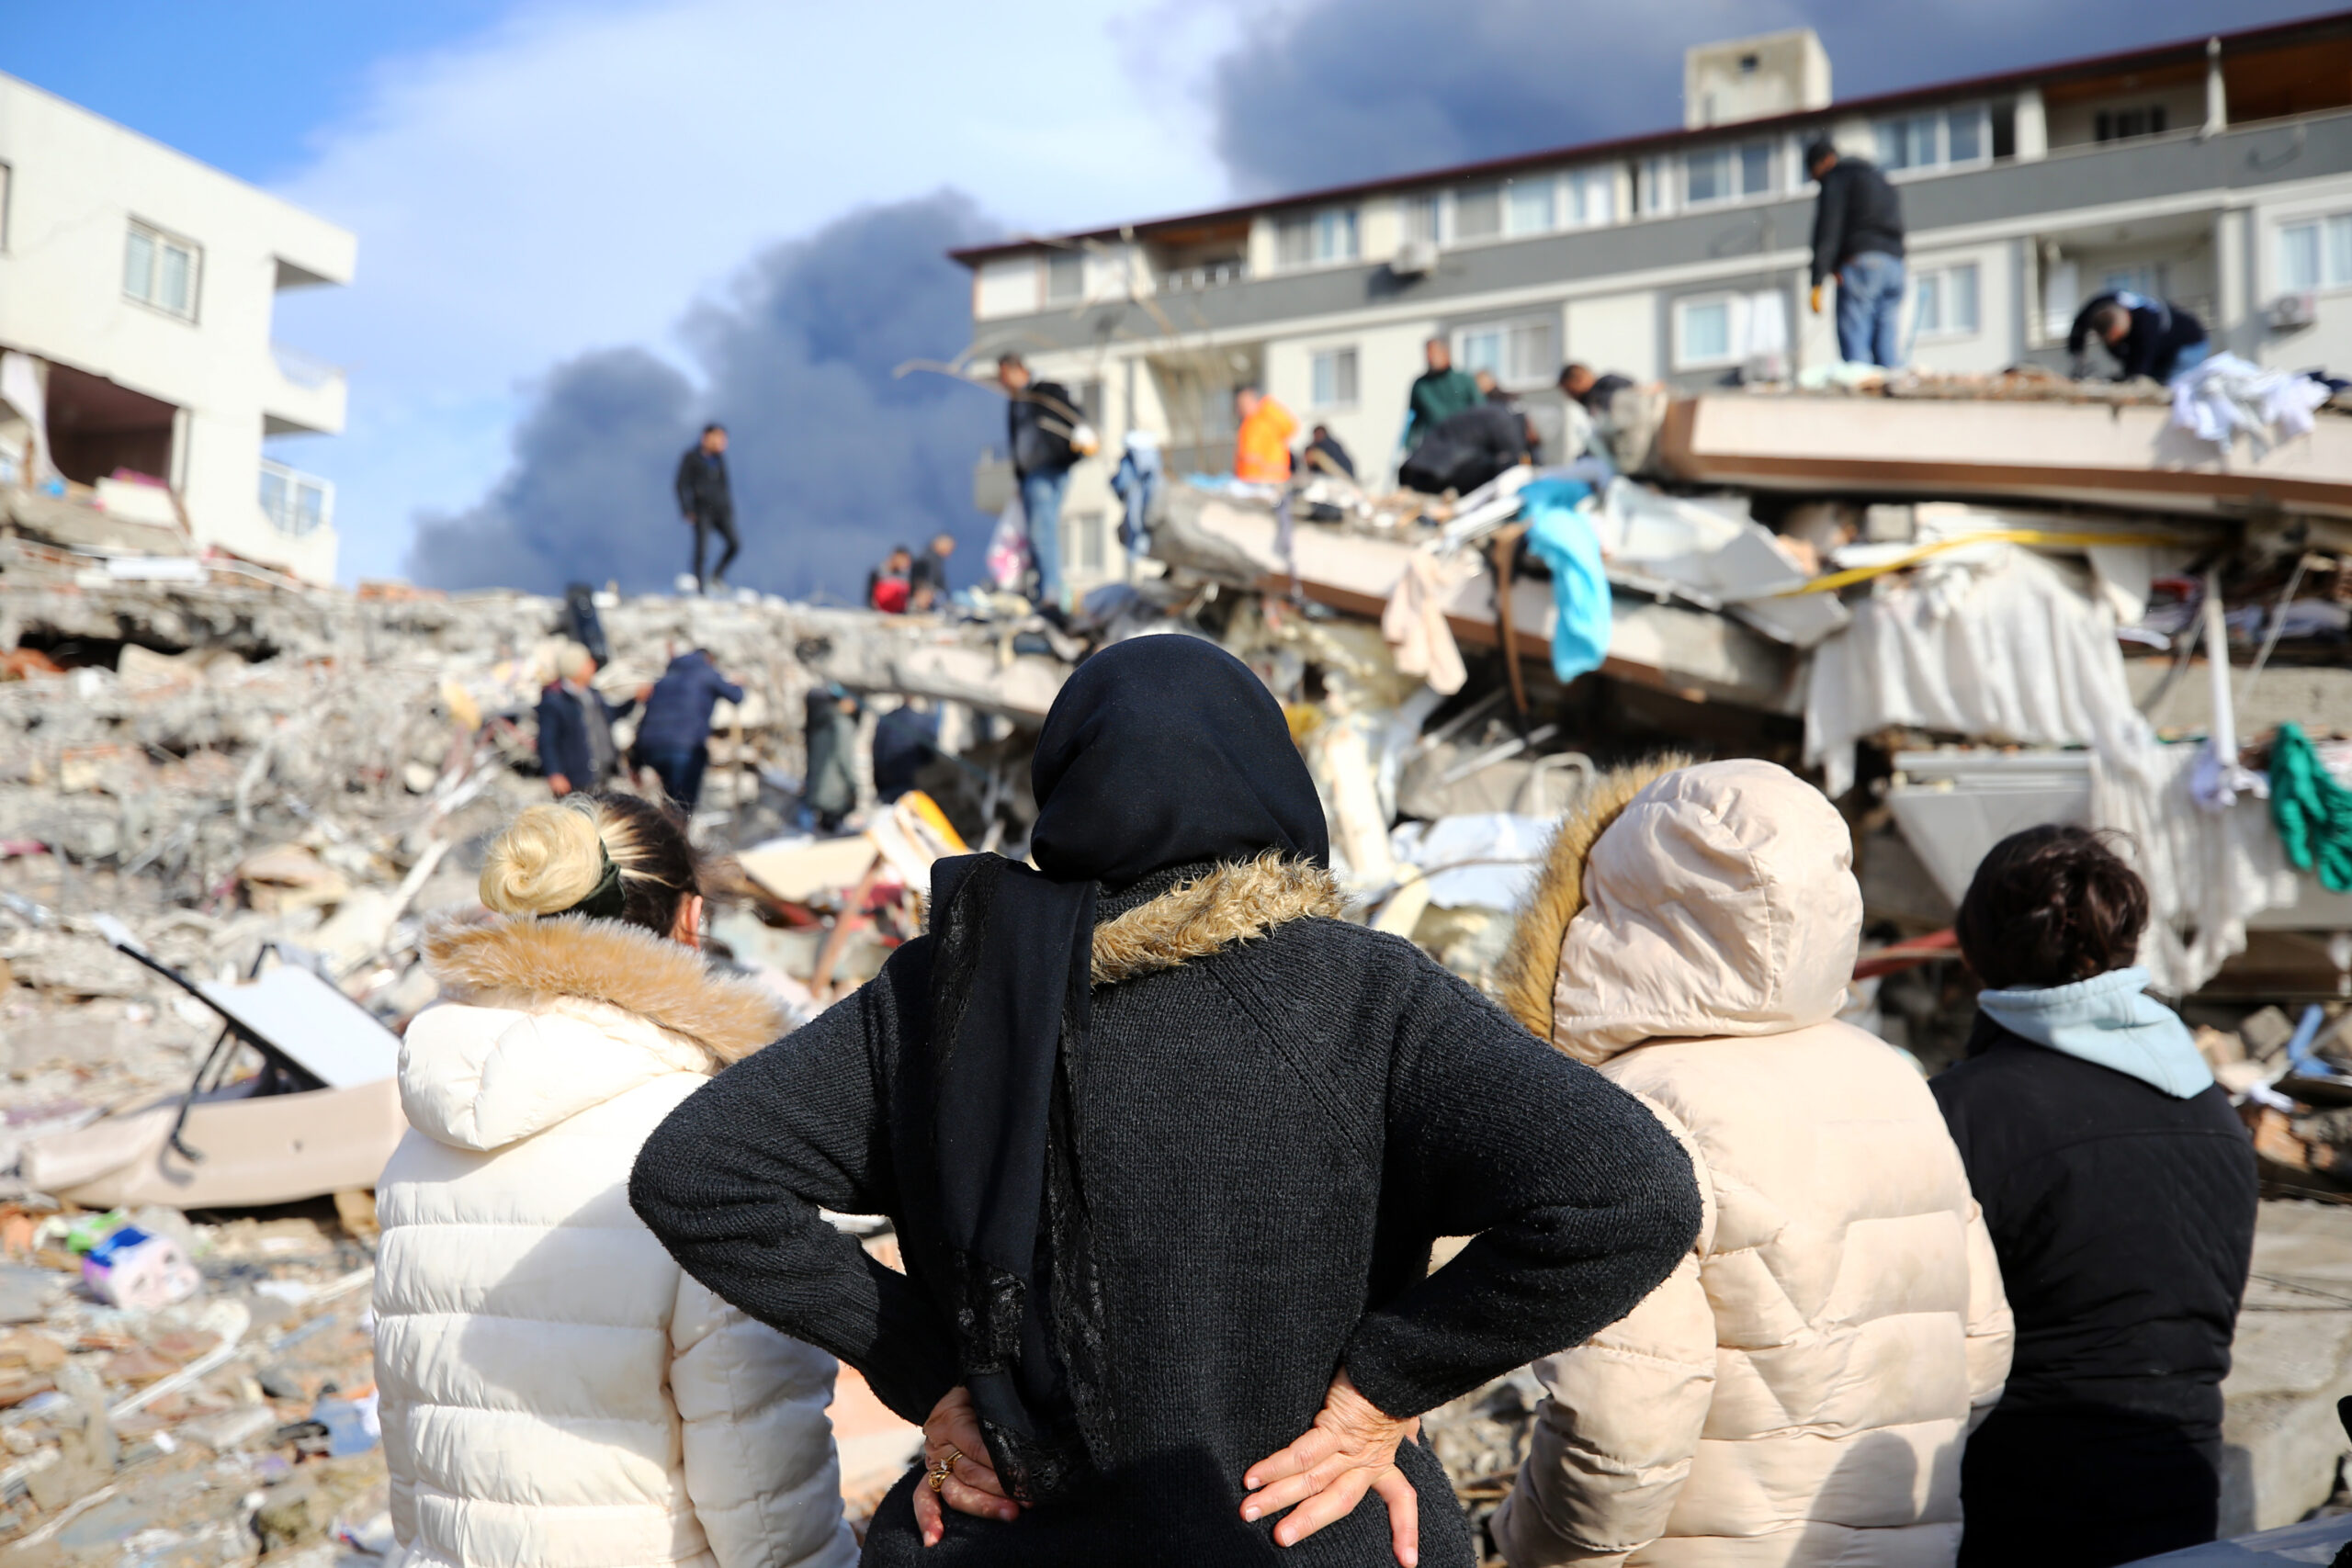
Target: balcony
x: 305, y: 395
x: 1207, y: 275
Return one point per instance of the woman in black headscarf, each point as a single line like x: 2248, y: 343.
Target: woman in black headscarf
x: 1166, y: 1145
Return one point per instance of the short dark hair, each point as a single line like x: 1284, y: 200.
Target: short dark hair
x: 1009, y: 360
x: 714, y: 424
x: 1572, y: 367
x: 1248, y: 387
x: 2109, y: 316
x: 2049, y: 907
x: 1816, y: 150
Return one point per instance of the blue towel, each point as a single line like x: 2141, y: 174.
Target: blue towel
x: 1561, y: 538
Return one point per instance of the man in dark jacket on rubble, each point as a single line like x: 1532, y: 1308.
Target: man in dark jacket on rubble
x: 706, y: 503
x: 674, y: 737
x: 1858, y: 234
x: 2154, y: 338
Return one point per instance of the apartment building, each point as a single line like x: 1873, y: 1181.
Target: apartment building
x: 2216, y: 172
x: 137, y: 287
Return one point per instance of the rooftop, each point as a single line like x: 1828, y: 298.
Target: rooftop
x: 2166, y: 61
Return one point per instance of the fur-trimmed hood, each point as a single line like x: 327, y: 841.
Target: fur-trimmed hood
x: 1227, y: 903
x: 1689, y: 902
x: 541, y: 1019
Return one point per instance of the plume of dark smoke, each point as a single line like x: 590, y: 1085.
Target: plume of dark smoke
x: 1345, y: 90
x: 832, y: 459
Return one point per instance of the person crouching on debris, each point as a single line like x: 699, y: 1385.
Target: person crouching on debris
x: 2121, y: 1188
x: 1167, y: 1144
x: 674, y: 737
x: 1799, y: 1389
x: 555, y: 1392
x: 576, y: 721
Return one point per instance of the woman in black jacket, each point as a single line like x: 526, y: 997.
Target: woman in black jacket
x: 1167, y: 1145
x: 2119, y: 1187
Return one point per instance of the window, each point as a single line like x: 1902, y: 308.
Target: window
x: 1652, y: 191
x: 1065, y: 275
x: 1592, y: 197
x: 1315, y: 239
x: 1520, y: 354
x: 1944, y: 301
x: 4, y: 183
x: 161, y: 271
x: 1082, y: 542
x: 295, y: 502
x: 1531, y: 206
x: 2118, y: 125
x: 1727, y: 174
x: 1420, y: 218
x: 1713, y: 330
x: 1478, y: 213
x: 2316, y: 255
x: 1334, y: 379
x: 1934, y: 141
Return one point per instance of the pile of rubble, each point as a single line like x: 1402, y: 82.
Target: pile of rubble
x: 210, y: 776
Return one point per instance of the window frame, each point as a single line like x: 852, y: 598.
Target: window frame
x: 1544, y: 374
x: 295, y: 482
x: 1318, y: 225
x: 1943, y: 272
x: 1728, y: 299
x: 1943, y: 162
x: 2324, y: 228
x: 163, y: 241
x: 1071, y: 263
x: 1335, y: 354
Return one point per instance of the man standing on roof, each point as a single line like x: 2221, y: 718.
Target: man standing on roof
x: 1439, y: 393
x: 1858, y: 234
x: 706, y: 503
x: 2154, y: 338
x: 1039, y: 421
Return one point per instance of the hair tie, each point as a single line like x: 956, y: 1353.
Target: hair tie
x: 604, y: 900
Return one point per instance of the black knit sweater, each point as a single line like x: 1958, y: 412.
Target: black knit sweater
x: 1265, y: 1144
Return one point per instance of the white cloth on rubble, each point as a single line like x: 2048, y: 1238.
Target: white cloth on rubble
x: 1486, y: 860
x: 2017, y: 650
x: 1413, y: 623
x: 2226, y: 395
x: 2012, y: 650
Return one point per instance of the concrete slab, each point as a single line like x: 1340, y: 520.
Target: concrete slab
x: 2291, y: 1362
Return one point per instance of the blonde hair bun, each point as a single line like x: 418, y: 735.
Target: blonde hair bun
x: 548, y: 858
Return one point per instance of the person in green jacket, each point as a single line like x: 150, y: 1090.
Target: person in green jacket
x: 1439, y: 393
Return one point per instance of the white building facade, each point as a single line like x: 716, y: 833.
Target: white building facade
x: 137, y: 287
x: 2216, y: 173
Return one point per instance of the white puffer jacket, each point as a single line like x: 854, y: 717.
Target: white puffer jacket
x: 1799, y: 1389
x: 555, y: 1390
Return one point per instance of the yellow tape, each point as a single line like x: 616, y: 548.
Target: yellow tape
x: 1837, y: 580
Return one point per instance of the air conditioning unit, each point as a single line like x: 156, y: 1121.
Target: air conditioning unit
x: 1414, y: 259
x: 2293, y: 313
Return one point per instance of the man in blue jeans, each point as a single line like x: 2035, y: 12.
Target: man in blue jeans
x: 1039, y: 421
x: 674, y: 737
x: 1858, y: 234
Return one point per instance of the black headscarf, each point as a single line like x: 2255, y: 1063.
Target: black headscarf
x: 1161, y: 751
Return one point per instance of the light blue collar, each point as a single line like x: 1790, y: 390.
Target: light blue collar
x: 2107, y: 1020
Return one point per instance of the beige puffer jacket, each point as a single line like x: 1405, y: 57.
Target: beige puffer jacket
x: 1798, y: 1390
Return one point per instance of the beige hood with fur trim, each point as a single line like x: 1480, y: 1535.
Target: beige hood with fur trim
x: 1799, y: 1389
x: 1684, y: 902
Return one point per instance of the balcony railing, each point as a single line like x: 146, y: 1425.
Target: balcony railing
x: 296, y: 504
x: 1209, y: 274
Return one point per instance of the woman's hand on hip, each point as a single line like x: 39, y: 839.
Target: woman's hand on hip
x: 1350, y: 1450
x: 956, y: 1469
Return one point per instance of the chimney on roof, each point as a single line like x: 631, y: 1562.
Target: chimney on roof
x: 1750, y: 78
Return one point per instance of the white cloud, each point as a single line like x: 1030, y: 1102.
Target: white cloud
x: 576, y: 176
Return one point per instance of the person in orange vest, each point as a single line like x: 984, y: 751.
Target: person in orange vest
x: 1261, y: 448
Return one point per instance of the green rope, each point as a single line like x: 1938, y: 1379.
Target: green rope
x: 2313, y: 812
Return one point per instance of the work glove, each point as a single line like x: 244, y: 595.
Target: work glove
x: 1817, y: 299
